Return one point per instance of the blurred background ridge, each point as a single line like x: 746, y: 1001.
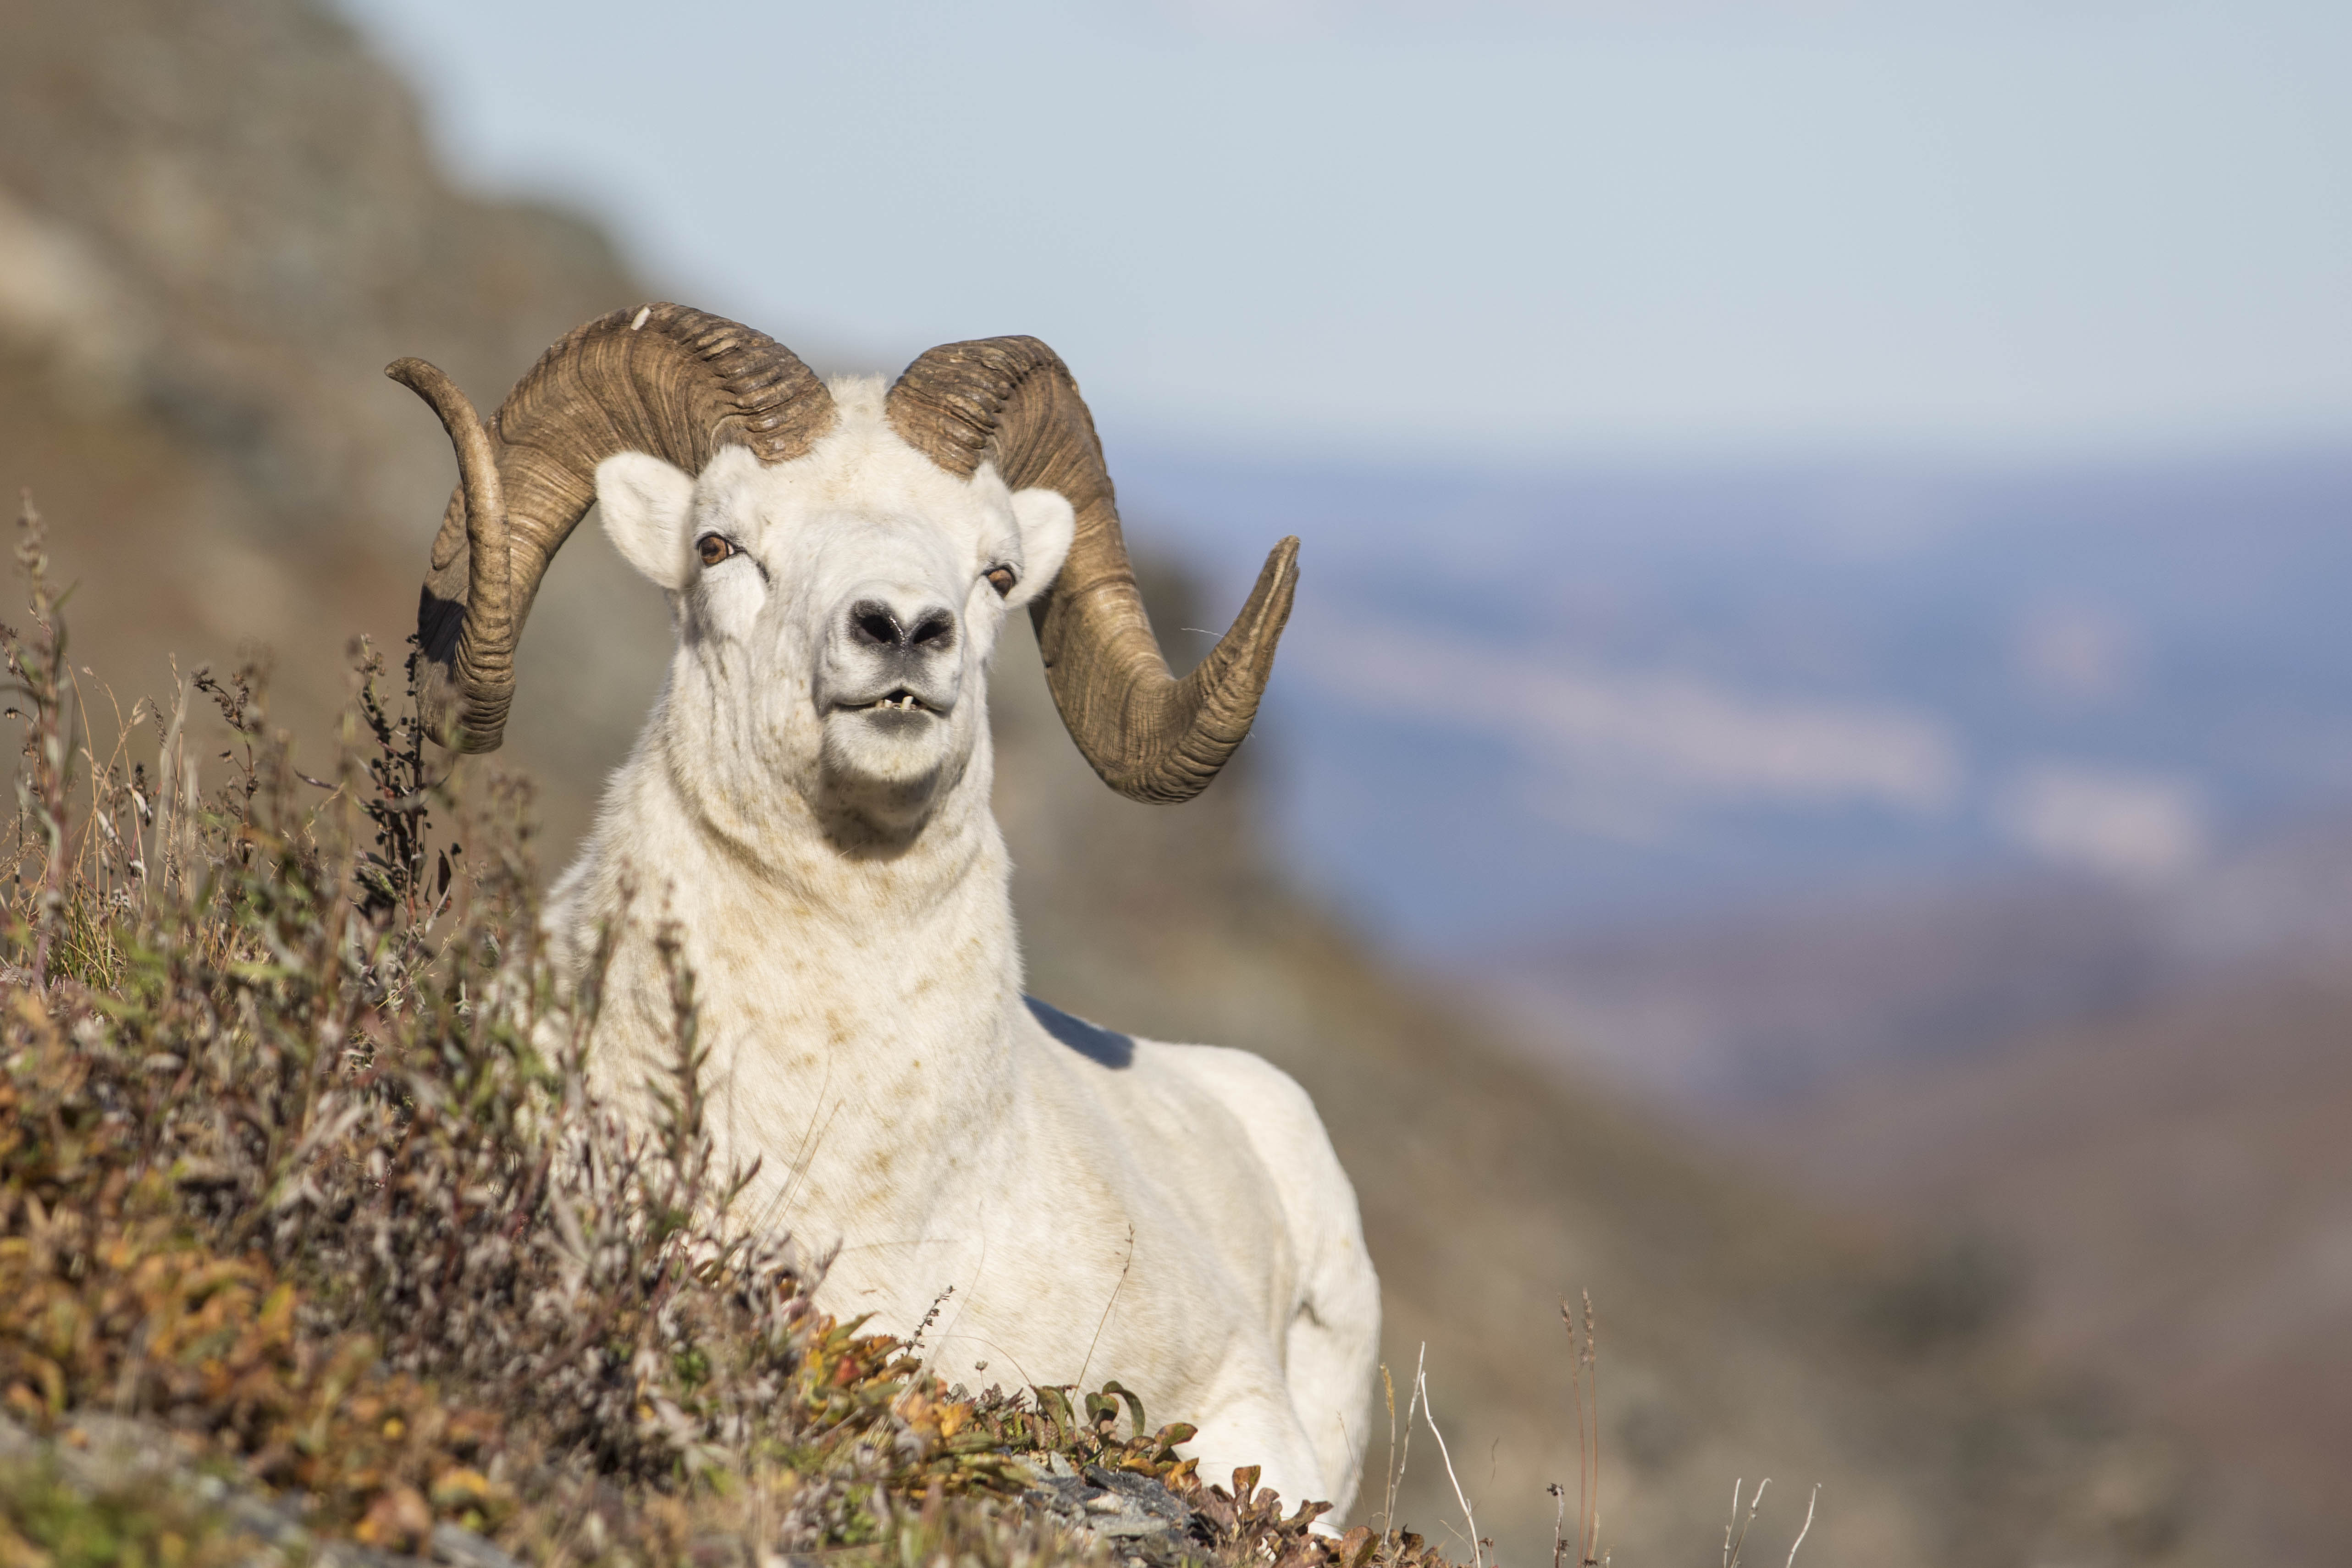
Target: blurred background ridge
x: 1809, y: 789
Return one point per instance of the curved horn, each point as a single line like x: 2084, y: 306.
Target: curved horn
x: 666, y: 380
x: 480, y: 655
x: 1012, y: 402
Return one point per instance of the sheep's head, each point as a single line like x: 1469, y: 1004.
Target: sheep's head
x: 841, y: 560
x: 834, y: 613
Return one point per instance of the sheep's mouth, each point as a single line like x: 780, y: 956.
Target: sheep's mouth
x: 898, y: 701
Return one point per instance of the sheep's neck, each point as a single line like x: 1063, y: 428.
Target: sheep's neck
x: 857, y: 1009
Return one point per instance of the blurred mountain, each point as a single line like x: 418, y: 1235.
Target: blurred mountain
x: 1722, y: 1015
x: 2167, y: 1190
x: 219, y: 220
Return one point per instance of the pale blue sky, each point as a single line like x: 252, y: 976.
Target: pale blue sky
x: 1526, y: 231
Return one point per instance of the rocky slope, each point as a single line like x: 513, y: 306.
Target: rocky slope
x: 218, y: 220
x: 218, y: 224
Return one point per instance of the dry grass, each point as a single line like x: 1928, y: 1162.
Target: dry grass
x: 297, y: 1160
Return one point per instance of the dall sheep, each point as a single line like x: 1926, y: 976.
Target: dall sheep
x: 807, y: 808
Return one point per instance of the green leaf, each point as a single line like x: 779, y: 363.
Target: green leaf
x: 1134, y: 1404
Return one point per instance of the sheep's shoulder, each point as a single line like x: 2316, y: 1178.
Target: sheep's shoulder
x: 1279, y: 1119
x: 1204, y: 1095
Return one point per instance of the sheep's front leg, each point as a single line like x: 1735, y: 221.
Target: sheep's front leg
x: 1255, y: 1425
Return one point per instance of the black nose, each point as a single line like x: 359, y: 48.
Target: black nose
x: 876, y: 625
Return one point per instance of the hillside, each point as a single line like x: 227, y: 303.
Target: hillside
x: 218, y: 224
x: 2168, y: 1185
x: 218, y: 220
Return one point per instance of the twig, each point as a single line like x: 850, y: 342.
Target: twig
x: 1412, y: 1408
x: 1422, y: 1378
x: 1735, y: 1545
x: 1584, y: 1378
x: 812, y: 1144
x: 1808, y: 1529
x: 1388, y: 1504
x: 938, y: 1302
x: 1592, y: 1385
x: 1115, y: 1289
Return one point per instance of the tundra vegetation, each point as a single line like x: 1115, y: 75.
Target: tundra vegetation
x: 292, y: 1171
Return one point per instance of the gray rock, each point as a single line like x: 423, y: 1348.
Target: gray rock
x: 464, y: 1548
x: 1138, y: 1516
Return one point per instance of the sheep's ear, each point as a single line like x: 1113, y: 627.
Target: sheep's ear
x: 1046, y: 523
x: 647, y: 506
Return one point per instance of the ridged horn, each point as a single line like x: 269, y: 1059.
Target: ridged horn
x: 676, y: 383
x: 1013, y: 403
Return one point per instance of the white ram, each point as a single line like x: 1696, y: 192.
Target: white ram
x: 808, y: 809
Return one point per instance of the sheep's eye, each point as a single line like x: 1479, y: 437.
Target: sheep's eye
x: 1001, y: 579
x: 714, y: 548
